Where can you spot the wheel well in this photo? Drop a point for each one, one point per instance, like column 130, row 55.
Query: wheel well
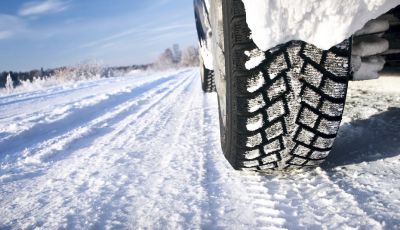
column 393, row 36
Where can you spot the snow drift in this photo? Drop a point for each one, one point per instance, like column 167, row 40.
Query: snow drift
column 323, row 23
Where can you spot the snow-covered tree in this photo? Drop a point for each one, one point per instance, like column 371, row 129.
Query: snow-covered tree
column 172, row 58
column 9, row 84
column 190, row 57
column 88, row 69
column 177, row 53
column 165, row 60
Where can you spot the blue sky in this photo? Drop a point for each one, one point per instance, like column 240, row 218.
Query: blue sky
column 51, row 33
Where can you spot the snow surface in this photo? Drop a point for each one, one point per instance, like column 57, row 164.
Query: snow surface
column 144, row 152
column 324, row 23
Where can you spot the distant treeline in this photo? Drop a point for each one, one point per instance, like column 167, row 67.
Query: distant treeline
column 18, row 77
column 171, row 58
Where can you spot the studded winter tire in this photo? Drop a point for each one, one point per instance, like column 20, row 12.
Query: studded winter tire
column 285, row 111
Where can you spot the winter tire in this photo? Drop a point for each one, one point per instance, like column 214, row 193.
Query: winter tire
column 285, row 111
column 207, row 78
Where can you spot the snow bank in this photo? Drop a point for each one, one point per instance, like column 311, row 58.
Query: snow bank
column 59, row 80
column 323, row 23
column 38, row 84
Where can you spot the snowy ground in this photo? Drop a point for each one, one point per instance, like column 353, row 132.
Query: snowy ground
column 143, row 152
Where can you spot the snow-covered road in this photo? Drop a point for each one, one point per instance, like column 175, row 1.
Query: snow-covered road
column 143, row 152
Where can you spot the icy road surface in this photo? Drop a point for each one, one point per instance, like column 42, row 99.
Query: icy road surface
column 143, row 152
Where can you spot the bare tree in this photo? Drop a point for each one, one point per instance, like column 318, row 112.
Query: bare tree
column 190, row 57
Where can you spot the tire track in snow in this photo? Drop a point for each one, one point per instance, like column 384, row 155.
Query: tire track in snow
column 148, row 167
column 58, row 108
column 264, row 203
column 312, row 199
column 232, row 199
column 77, row 118
column 169, row 169
column 53, row 96
column 126, row 143
column 81, row 173
column 137, row 124
column 226, row 201
column 89, row 113
column 123, row 145
column 44, row 154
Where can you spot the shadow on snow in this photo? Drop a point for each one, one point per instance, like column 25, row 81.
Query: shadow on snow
column 372, row 139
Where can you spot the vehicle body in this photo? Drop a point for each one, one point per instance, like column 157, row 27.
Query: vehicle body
column 280, row 70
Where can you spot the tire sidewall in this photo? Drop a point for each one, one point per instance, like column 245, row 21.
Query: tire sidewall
column 227, row 131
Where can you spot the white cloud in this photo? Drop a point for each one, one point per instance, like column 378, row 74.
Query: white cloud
column 139, row 32
column 5, row 34
column 10, row 25
column 42, row 7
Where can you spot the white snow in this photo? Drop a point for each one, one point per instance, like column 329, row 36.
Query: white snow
column 323, row 23
column 374, row 26
column 143, row 152
column 255, row 82
column 369, row 46
column 206, row 55
column 256, row 56
column 255, row 123
column 369, row 68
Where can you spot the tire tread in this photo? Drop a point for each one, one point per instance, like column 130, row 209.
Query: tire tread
column 290, row 72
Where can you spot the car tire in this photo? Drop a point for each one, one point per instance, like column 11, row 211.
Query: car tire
column 285, row 111
column 207, row 78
